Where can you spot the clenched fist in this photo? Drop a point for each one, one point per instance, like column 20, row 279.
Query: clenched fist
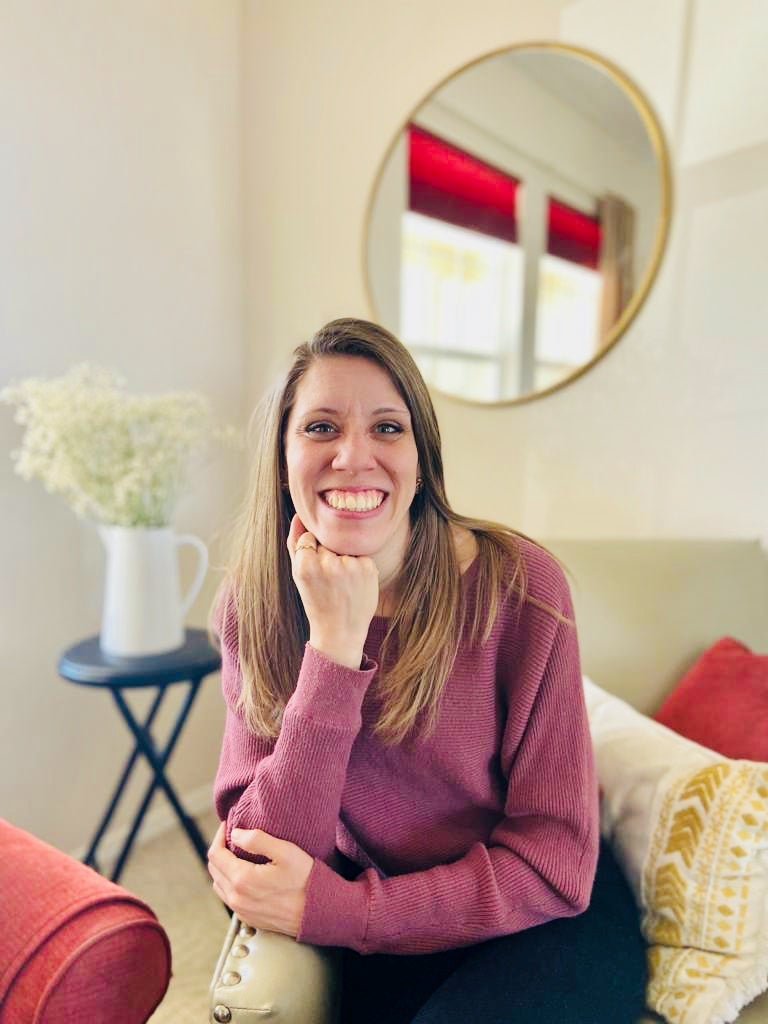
column 339, row 593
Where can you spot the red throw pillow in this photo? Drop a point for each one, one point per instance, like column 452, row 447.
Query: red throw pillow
column 722, row 702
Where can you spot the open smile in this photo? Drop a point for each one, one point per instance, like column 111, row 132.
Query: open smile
column 354, row 502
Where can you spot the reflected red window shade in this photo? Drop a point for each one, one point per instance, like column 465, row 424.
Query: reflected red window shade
column 450, row 184
column 573, row 235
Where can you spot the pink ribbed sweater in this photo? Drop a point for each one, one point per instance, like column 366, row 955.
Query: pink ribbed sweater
column 486, row 827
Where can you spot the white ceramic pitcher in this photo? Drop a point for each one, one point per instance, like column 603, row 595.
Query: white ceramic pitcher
column 143, row 610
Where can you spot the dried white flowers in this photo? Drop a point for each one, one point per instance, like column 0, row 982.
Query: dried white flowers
column 119, row 458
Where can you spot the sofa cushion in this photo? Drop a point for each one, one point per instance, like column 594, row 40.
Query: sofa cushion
column 73, row 946
column 722, row 702
column 690, row 829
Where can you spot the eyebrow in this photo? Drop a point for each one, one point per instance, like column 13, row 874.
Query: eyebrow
column 376, row 412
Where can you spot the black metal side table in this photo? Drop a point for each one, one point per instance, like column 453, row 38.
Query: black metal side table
column 85, row 663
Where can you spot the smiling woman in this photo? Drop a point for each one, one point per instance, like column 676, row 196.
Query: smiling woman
column 406, row 759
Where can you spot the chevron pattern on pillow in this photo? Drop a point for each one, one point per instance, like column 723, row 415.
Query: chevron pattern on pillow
column 702, row 883
column 690, row 830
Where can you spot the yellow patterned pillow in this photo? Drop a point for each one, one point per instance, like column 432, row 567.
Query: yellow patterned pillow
column 690, row 829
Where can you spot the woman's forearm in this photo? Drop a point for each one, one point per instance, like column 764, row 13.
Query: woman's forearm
column 291, row 787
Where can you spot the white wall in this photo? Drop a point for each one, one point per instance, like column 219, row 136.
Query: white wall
column 661, row 437
column 677, row 444
column 121, row 242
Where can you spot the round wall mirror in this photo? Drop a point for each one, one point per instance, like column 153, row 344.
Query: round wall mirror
column 517, row 222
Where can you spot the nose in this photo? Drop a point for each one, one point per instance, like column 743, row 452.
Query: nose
column 354, row 453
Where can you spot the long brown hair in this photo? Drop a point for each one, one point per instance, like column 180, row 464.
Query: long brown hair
column 272, row 627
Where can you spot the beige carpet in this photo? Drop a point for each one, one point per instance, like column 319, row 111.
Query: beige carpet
column 167, row 874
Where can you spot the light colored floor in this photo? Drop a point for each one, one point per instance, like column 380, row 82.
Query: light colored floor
column 167, row 874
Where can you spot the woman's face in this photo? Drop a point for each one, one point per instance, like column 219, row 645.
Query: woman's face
column 352, row 460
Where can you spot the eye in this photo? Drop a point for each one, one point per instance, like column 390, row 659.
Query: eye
column 389, row 428
column 322, row 427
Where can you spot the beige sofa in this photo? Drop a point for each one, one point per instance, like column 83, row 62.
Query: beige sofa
column 645, row 609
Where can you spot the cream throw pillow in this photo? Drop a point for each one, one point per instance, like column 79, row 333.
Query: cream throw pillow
column 690, row 829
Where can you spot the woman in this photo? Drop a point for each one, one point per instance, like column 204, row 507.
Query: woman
column 406, row 754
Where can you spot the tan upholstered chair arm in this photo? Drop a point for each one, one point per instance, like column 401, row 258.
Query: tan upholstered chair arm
column 266, row 976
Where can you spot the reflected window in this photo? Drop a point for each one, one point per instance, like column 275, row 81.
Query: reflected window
column 460, row 307
column 536, row 179
column 461, row 268
column 475, row 325
column 569, row 294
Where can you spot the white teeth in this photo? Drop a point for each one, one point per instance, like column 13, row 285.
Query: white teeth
column 354, row 501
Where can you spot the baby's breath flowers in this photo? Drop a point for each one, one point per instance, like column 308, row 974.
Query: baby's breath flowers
column 119, row 458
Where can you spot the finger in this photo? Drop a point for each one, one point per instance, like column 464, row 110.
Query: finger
column 307, row 541
column 220, row 893
column 223, row 880
column 254, row 840
column 218, row 840
column 296, row 530
column 234, row 884
column 218, row 867
column 222, row 861
column 216, row 876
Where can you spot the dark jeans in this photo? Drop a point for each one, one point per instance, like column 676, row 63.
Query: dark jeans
column 588, row 969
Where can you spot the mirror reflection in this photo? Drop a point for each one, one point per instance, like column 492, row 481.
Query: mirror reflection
column 517, row 222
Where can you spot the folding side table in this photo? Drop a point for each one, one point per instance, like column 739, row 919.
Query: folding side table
column 84, row 663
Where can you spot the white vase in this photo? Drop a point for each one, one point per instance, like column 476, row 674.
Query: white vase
column 143, row 610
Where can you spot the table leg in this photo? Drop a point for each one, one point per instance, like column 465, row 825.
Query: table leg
column 90, row 857
column 157, row 761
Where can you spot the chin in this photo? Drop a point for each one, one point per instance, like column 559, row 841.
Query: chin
column 342, row 547
column 343, row 543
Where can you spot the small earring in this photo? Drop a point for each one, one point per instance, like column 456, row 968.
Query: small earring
column 418, row 484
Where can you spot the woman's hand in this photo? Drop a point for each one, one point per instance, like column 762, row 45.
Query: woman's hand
column 339, row 593
column 269, row 896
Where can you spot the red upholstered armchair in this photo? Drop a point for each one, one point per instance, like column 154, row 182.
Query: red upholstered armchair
column 73, row 945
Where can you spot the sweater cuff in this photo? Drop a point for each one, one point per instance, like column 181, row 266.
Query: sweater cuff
column 327, row 691
column 335, row 910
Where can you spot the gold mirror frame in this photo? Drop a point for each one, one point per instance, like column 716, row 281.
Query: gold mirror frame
column 659, row 147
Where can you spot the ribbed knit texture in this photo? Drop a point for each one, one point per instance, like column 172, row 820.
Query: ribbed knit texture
column 486, row 827
column 73, row 946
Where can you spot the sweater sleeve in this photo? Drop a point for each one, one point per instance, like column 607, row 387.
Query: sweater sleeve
column 538, row 863
column 290, row 787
